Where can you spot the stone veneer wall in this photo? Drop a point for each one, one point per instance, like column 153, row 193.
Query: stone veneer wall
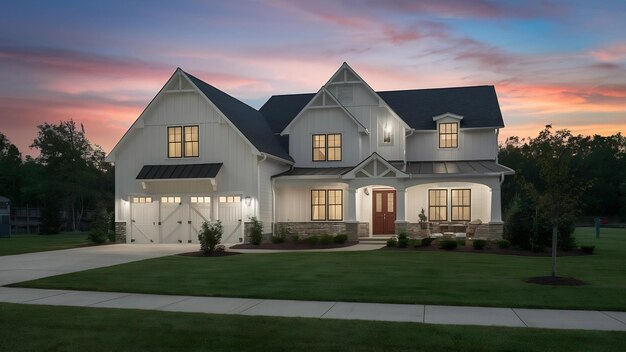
column 120, row 231
column 305, row 229
column 488, row 231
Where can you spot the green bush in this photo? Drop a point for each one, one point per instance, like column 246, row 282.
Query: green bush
column 326, row 239
column 392, row 242
column 503, row 244
column 256, row 232
column 448, row 244
column 461, row 242
column 340, row 238
column 426, row 241
column 587, row 249
column 479, row 244
column 295, row 238
column 210, row 236
column 403, row 240
column 312, row 240
column 278, row 238
column 97, row 236
column 100, row 226
column 414, row 242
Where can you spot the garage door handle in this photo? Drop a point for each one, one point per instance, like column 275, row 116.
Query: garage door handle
column 132, row 221
column 239, row 220
column 189, row 222
column 159, row 223
column 180, row 222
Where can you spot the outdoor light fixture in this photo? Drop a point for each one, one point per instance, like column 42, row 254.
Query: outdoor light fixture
column 387, row 133
column 366, row 191
column 248, row 200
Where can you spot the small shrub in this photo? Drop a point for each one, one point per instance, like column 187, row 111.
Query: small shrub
column 278, row 238
column 392, row 242
column 210, row 236
column 100, row 226
column 414, row 242
column 97, row 236
column 312, row 240
column 503, row 244
column 340, row 238
column 295, row 238
column 426, row 241
column 479, row 244
column 448, row 244
column 403, row 240
column 256, row 232
column 422, row 216
column 587, row 249
column 326, row 239
column 461, row 242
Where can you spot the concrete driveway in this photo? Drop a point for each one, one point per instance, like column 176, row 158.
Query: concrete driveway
column 30, row 266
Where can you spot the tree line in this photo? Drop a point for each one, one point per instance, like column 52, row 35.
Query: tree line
column 68, row 176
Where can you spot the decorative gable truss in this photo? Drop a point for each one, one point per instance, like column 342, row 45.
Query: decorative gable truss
column 375, row 166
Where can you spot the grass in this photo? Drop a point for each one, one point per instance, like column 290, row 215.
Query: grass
column 47, row 328
column 28, row 243
column 377, row 276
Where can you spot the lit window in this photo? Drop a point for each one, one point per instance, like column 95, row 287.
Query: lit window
column 327, row 147
column 172, row 200
column 326, row 205
column 460, row 205
column 142, row 199
column 200, row 200
column 438, row 204
column 449, row 135
column 182, row 141
column 230, row 199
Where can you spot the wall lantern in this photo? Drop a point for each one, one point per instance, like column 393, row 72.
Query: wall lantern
column 248, row 200
column 387, row 133
column 366, row 191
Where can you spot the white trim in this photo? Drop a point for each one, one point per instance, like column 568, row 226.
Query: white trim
column 448, row 114
column 375, row 156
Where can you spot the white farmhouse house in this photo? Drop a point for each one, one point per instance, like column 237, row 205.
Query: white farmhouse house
column 346, row 159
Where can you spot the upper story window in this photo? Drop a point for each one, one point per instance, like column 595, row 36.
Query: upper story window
column 449, row 135
column 327, row 147
column 182, row 141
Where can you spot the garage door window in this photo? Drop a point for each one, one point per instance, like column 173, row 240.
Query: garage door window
column 200, row 199
column 230, row 199
column 142, row 199
column 170, row 199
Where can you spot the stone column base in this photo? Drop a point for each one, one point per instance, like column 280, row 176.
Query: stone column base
column 354, row 230
column 490, row 231
column 402, row 227
column 120, row 231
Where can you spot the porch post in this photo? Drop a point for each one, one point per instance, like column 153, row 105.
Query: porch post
column 401, row 204
column 496, row 207
column 351, row 213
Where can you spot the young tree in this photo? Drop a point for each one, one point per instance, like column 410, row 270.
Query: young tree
column 10, row 165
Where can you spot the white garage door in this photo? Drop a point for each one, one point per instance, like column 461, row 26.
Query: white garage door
column 229, row 212
column 199, row 212
column 144, row 220
column 171, row 223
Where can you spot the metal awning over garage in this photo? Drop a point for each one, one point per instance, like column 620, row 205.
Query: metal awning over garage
column 184, row 171
column 456, row 168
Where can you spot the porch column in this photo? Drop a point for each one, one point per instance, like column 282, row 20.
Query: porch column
column 496, row 207
column 401, row 204
column 351, row 211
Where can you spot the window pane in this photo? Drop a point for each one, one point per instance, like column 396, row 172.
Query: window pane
column 390, row 207
column 379, row 202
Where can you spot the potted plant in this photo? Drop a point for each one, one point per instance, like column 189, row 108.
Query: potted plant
column 423, row 220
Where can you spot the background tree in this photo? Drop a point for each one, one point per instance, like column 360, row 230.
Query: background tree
column 10, row 167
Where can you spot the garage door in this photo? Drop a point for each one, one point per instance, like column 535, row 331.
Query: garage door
column 229, row 212
column 199, row 212
column 144, row 220
column 171, row 223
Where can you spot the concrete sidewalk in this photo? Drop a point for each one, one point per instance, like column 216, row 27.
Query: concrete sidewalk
column 517, row 317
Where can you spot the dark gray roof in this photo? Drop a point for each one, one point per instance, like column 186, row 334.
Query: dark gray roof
column 478, row 105
column 315, row 171
column 161, row 172
column 248, row 120
column 455, row 167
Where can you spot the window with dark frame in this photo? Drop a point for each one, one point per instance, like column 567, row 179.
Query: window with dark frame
column 326, row 147
column 318, row 205
column 183, row 141
column 460, row 204
column 449, row 135
column 438, row 204
column 335, row 204
column 326, row 205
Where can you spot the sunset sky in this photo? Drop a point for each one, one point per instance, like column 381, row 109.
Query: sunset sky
column 101, row 62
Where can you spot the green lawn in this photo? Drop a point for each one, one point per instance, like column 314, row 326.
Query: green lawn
column 47, row 328
column 376, row 276
column 28, row 243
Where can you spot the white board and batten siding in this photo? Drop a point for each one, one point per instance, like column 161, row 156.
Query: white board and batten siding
column 474, row 144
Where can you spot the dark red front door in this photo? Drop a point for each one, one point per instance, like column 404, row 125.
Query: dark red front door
column 384, row 212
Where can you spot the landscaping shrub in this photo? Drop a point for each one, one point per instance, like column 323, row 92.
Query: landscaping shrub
column 210, row 236
column 414, row 242
column 392, row 242
column 403, row 240
column 295, row 238
column 426, row 241
column 326, row 239
column 503, row 244
column 460, row 242
column 479, row 244
column 312, row 240
column 100, row 226
column 256, row 232
column 587, row 249
column 340, row 238
column 280, row 236
column 448, row 244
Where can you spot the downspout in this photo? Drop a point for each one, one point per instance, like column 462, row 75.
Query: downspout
column 497, row 148
column 406, row 137
column 258, row 184
column 273, row 206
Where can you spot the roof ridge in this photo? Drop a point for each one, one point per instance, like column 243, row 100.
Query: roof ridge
column 435, row 88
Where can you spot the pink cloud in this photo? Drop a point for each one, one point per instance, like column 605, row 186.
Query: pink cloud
column 611, row 53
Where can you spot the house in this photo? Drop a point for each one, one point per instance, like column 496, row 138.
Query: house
column 344, row 159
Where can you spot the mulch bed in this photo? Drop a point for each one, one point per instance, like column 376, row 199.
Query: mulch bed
column 555, row 281
column 213, row 255
column 490, row 250
column 292, row 245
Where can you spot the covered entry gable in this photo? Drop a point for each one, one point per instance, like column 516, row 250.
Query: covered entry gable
column 375, row 166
